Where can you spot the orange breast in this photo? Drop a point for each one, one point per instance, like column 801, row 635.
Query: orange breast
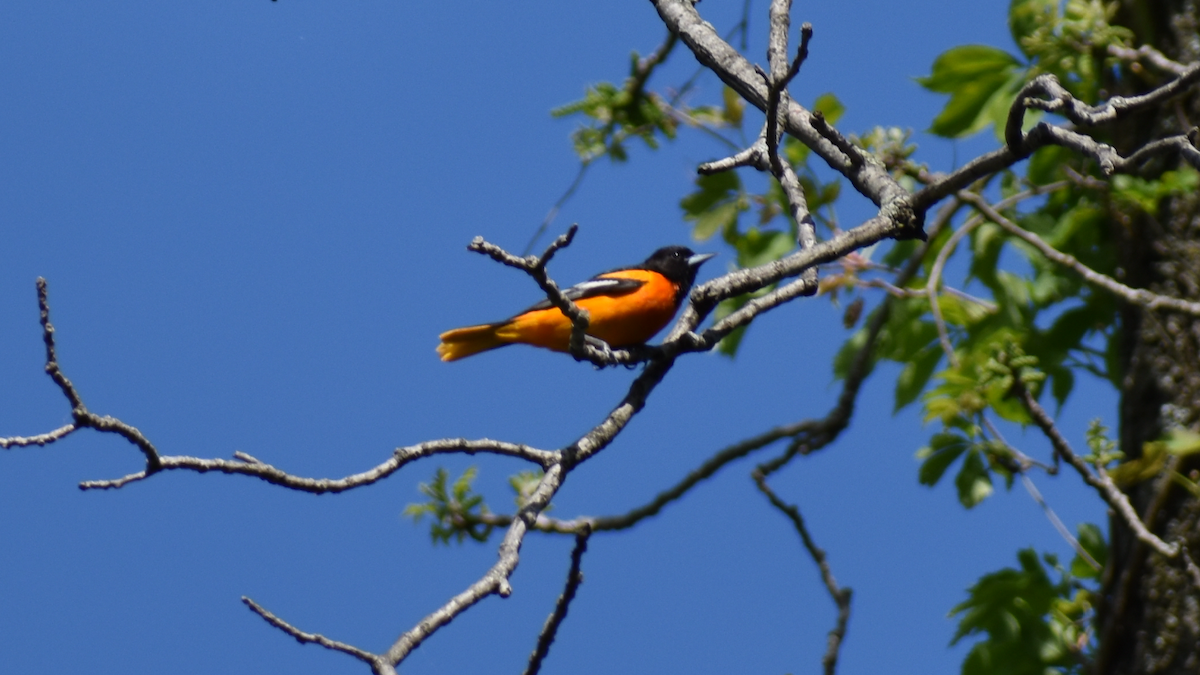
column 621, row 321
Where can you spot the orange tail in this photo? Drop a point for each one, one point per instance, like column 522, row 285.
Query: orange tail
column 463, row 342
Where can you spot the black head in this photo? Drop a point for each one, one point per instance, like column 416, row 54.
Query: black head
column 677, row 263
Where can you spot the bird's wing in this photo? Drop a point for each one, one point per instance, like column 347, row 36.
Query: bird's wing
column 610, row 286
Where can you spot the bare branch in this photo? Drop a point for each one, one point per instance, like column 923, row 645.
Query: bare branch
column 1098, row 479
column 1193, row 571
column 939, row 264
column 1149, row 54
column 249, row 466
column 52, row 369
column 550, row 630
column 763, row 154
column 935, row 278
column 897, row 217
column 1057, row 523
column 581, row 346
column 40, row 439
column 1058, row 100
column 1019, row 145
column 495, row 580
column 554, row 210
column 1136, row 296
column 646, row 65
column 306, row 638
column 83, row 417
column 841, row 596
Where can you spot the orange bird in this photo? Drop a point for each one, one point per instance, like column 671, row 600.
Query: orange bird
column 626, row 307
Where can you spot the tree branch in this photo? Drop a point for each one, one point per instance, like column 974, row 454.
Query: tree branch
column 314, row 638
column 249, row 466
column 841, row 596
column 1136, row 296
column 898, row 217
column 40, row 439
column 550, row 630
column 1058, row 100
column 1099, row 479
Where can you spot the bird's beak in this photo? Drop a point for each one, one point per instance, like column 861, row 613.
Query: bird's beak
column 698, row 259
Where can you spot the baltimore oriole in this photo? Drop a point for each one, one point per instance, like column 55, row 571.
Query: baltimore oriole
column 626, row 307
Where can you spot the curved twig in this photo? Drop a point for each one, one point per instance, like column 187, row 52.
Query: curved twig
column 550, row 629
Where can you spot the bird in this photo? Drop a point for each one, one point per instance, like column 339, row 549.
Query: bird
column 626, row 307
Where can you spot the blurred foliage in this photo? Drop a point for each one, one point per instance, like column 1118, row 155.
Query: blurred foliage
column 457, row 512
column 454, row 508
column 1031, row 623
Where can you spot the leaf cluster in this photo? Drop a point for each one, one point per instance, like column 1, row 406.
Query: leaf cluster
column 454, row 508
column 614, row 114
column 1068, row 41
column 457, row 512
column 1031, row 623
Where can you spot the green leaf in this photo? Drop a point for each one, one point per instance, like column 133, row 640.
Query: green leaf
column 1182, row 442
column 733, row 107
column 718, row 218
column 1016, row 609
column 849, row 351
column 758, row 247
column 1092, row 540
column 1149, row 465
column 1062, row 381
column 915, row 375
column 973, row 75
column 714, row 205
column 729, row 344
column 796, row 152
column 455, row 510
column 965, row 65
column 973, row 481
column 1146, row 194
column 828, row 105
column 962, row 312
column 1103, row 450
column 906, row 332
column 941, row 452
column 1026, row 16
column 1045, row 166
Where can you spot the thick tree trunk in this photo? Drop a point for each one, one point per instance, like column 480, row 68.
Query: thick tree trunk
column 1149, row 620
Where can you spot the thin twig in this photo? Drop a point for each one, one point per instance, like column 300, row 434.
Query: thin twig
column 558, row 205
column 1151, row 55
column 304, row 638
column 248, row 466
column 1057, row 523
column 1058, row 100
column 83, row 417
column 536, row 268
column 935, row 278
column 1190, row 566
column 841, row 596
column 550, row 629
column 40, row 439
column 1098, row 479
column 1136, row 296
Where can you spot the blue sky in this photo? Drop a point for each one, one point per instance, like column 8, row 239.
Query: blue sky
column 253, row 219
